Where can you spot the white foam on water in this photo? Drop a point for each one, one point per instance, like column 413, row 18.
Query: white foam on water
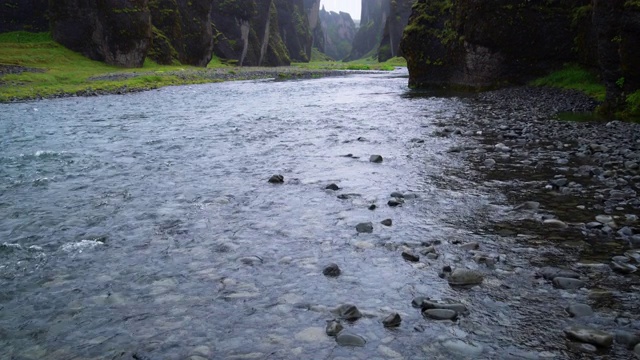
column 80, row 246
column 12, row 246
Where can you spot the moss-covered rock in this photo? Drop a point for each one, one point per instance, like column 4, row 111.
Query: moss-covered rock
column 117, row 32
column 293, row 27
column 399, row 12
column 339, row 31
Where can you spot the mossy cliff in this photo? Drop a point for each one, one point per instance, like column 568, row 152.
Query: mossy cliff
column 484, row 44
column 372, row 21
column 339, row 31
column 117, row 32
column 24, row 15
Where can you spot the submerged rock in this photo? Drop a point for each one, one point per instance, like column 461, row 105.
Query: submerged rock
column 331, row 270
column 568, row 283
column 333, row 327
column 465, row 277
column 392, row 320
column 375, row 158
column 347, row 338
column 589, row 335
column 464, row 349
column 386, row 222
column 276, row 179
column 410, row 256
column 440, row 314
column 579, row 310
column 348, row 312
column 333, row 187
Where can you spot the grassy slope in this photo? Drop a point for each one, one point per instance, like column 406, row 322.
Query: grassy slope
column 62, row 71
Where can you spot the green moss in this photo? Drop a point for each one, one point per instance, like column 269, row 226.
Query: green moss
column 576, row 78
column 632, row 4
column 633, row 103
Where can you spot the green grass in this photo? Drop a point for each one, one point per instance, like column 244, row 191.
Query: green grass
column 575, row 78
column 633, row 105
column 361, row 64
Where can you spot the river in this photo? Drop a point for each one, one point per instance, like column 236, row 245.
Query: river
column 143, row 226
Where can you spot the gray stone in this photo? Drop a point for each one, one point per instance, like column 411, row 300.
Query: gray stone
column 432, row 256
column 636, row 350
column 428, row 250
column 410, row 256
column 397, row 194
column 463, row 349
column 470, row 246
column 276, row 179
column 375, row 158
column 348, row 312
column 489, row 163
column 594, row 225
column 332, row 187
column 347, row 338
column 579, row 310
column 555, row 223
column 584, row 348
column 622, row 268
column 333, row 327
column 440, row 314
column 458, row 308
column 331, row 270
column 549, row 273
column 528, row 205
column 418, row 301
column 605, row 219
column 372, row 207
column 633, row 255
column 392, row 320
column 364, row 227
column 568, row 283
column 386, row 222
column 250, row 260
column 465, row 277
column 627, row 339
column 589, row 335
column 395, row 202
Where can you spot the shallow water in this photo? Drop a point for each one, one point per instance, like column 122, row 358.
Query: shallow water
column 143, row 226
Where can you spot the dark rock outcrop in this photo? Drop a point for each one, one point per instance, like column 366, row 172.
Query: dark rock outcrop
column 399, row 12
column 293, row 25
column 481, row 44
column 117, row 32
column 339, row 31
column 372, row 21
column 24, row 15
column 312, row 7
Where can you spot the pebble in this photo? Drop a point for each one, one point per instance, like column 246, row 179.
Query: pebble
column 333, row 327
column 347, row 338
column 555, row 223
column 395, row 202
column 331, row 270
column 392, row 320
column 463, row 349
column 365, row 227
column 375, row 159
column 397, row 194
column 386, row 222
column 465, row 277
column 348, row 312
column 276, row 179
column 489, row 163
column 568, row 283
column 589, row 335
column 622, row 268
column 440, row 314
column 410, row 256
column 579, row 310
column 333, row 187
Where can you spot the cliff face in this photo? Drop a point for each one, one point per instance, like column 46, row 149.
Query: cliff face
column 117, row 32
column 339, row 31
column 475, row 44
column 25, row 15
column 312, row 7
column 372, row 21
column 399, row 12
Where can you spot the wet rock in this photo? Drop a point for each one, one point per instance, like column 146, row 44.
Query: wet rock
column 555, row 223
column 392, row 320
column 333, row 327
column 331, row 270
column 440, row 314
column 348, row 312
column 528, row 205
column 465, row 350
column 251, row 260
column 426, row 304
column 432, row 256
column 386, row 222
column 584, row 348
column 417, row 301
column 465, row 277
column 623, row 268
column 333, row 187
column 633, row 255
column 579, row 310
column 375, row 159
column 395, row 202
column 604, row 219
column 500, row 147
column 398, row 195
column 549, row 273
column 589, row 335
column 489, row 163
column 470, row 246
column 347, row 338
column 594, row 225
column 410, row 256
column 636, row 350
column 627, row 339
column 568, row 283
column 372, row 207
column 428, row 250
column 364, row 227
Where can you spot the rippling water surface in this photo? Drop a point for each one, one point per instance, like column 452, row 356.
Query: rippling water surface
column 143, row 226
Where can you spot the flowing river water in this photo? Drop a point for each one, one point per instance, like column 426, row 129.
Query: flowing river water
column 143, row 226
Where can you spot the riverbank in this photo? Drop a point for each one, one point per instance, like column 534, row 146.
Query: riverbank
column 33, row 66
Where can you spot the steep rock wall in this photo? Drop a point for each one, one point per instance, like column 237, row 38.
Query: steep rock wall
column 339, row 32
column 294, row 30
column 24, row 15
column 399, row 12
column 372, row 21
column 117, row 32
column 312, row 7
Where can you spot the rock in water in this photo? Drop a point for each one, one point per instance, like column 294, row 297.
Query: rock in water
column 333, row 187
column 392, row 320
column 348, row 312
column 333, row 327
column 549, row 273
column 364, row 227
column 386, row 222
column 409, row 256
column 568, row 283
column 347, row 338
column 579, row 310
column 395, row 202
column 636, row 351
column 589, row 335
column 465, row 277
column 440, row 314
column 276, row 179
column 331, row 270
column 375, row 158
